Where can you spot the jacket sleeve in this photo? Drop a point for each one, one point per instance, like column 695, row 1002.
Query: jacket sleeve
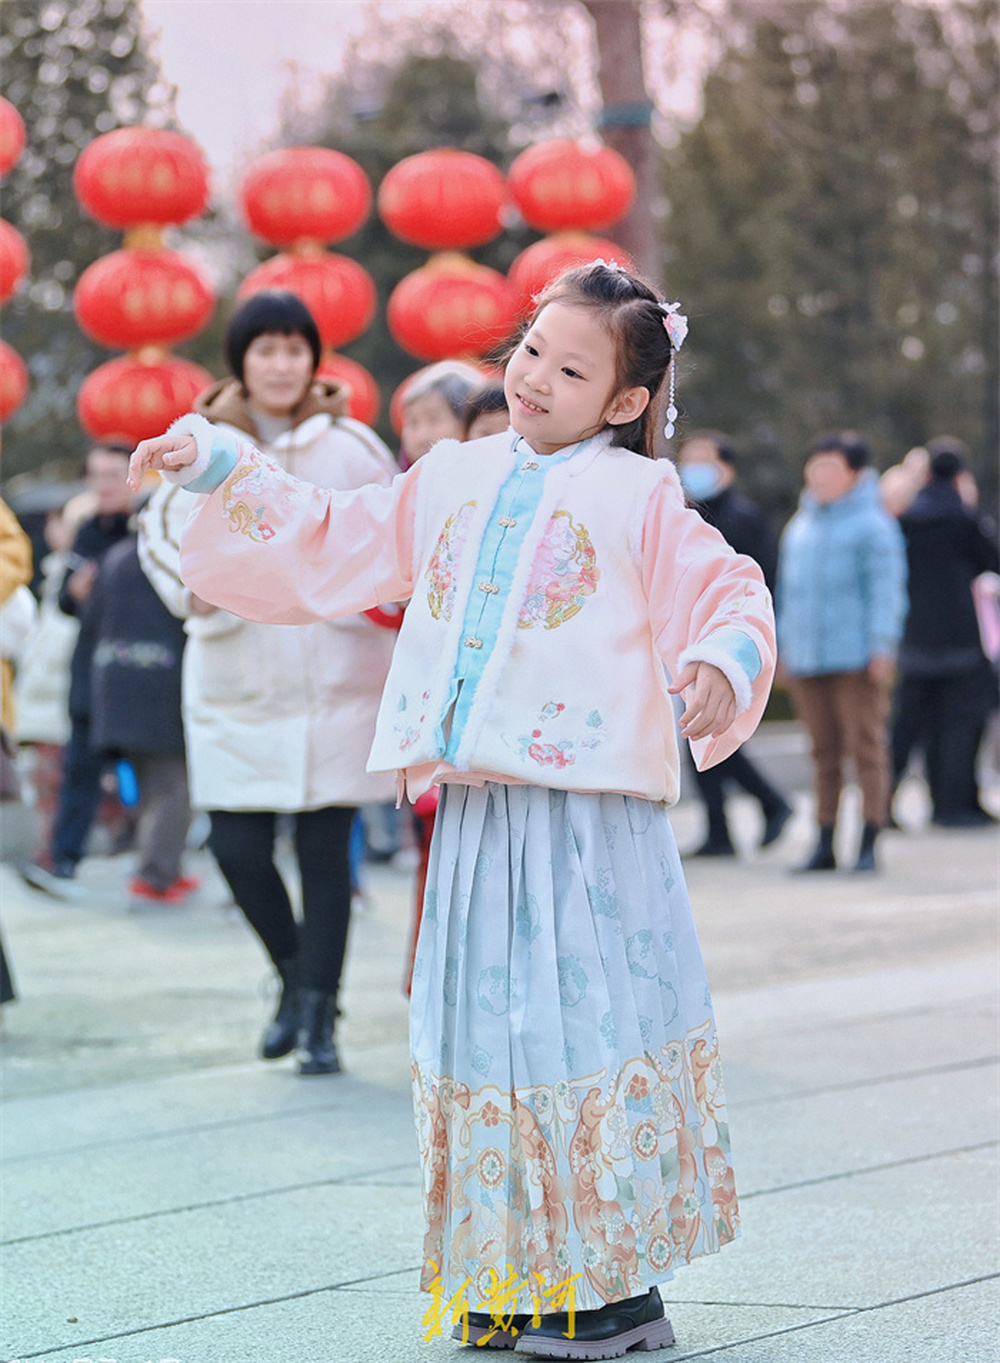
column 272, row 548
column 883, row 583
column 160, row 523
column 15, row 554
column 708, row 604
column 83, row 549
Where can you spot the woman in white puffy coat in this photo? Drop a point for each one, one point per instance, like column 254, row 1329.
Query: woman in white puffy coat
column 279, row 719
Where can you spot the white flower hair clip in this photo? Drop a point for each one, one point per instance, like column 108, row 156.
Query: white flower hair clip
column 675, row 324
column 614, row 265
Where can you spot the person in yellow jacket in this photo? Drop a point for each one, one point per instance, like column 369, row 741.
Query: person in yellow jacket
column 15, row 571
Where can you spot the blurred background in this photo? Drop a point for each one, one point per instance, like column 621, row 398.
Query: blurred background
column 816, row 181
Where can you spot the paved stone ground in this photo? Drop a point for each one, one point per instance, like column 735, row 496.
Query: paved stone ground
column 167, row 1197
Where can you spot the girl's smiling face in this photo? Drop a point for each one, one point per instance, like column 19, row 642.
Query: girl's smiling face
column 560, row 381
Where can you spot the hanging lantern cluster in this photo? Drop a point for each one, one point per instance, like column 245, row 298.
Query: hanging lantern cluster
column 143, row 298
column 447, row 201
column 14, row 263
column 571, row 190
column 302, row 199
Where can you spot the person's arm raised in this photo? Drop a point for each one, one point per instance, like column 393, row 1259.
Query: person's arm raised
column 266, row 546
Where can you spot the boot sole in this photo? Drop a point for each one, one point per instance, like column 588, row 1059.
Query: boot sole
column 656, row 1334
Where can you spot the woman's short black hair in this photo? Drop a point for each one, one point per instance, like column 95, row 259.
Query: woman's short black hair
column 270, row 311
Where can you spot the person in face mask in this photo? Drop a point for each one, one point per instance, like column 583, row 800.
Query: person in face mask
column 707, row 466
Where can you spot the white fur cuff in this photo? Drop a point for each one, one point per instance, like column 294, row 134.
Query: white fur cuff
column 192, row 424
column 727, row 664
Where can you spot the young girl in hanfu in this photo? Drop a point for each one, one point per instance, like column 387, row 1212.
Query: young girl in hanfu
column 566, row 1071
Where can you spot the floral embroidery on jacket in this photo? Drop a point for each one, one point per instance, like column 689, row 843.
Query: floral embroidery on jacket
column 441, row 567
column 250, row 478
column 558, row 753
column 546, row 754
column 563, row 574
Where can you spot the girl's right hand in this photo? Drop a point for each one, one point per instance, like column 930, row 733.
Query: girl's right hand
column 164, row 452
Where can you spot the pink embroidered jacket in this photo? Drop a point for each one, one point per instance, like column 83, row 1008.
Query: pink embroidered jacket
column 574, row 696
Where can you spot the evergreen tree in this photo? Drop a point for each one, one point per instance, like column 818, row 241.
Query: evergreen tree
column 832, row 228
column 383, row 108
column 73, row 69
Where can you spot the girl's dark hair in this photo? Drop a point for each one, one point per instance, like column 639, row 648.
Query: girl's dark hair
column 629, row 309
column 489, row 398
column 270, row 311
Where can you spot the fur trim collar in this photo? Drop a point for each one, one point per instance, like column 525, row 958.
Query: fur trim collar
column 226, row 401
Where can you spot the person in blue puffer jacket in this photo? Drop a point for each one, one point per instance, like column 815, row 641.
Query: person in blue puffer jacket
column 841, row 602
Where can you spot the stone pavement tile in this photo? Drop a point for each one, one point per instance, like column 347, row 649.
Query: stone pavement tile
column 802, row 1037
column 108, row 995
column 384, row 1325
column 149, row 1271
column 958, row 1324
column 82, row 1119
column 791, row 1140
column 218, row 1163
column 861, row 1240
column 812, row 1059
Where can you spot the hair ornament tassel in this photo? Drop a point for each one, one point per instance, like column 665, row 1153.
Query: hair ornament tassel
column 675, row 324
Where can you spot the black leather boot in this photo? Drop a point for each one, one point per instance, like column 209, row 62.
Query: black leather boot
column 317, row 1014
column 866, row 856
column 283, row 1029
column 823, row 858
column 638, row 1323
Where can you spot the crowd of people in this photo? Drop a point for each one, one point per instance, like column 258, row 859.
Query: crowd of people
column 138, row 701
column 284, row 609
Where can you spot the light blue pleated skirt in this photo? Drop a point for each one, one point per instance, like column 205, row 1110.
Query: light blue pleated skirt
column 567, row 1084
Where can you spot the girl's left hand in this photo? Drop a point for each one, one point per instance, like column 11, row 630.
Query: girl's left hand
column 710, row 705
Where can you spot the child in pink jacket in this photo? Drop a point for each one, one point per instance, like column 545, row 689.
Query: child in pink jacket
column 567, row 1084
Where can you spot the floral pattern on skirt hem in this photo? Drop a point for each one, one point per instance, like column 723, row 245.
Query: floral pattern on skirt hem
column 567, row 1083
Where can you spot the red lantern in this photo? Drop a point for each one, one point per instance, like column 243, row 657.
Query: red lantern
column 14, row 259
column 443, row 199
column 12, row 135
column 338, row 292
column 562, row 184
column 129, row 399
column 133, row 298
column 305, row 193
column 13, row 381
column 141, row 175
column 544, row 260
column 451, row 306
column 363, row 398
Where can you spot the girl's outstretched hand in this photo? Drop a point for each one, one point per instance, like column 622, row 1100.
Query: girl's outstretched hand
column 710, row 704
column 165, row 452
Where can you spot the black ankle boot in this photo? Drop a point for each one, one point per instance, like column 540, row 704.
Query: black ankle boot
column 609, row 1332
column 283, row 1029
column 318, row 1012
column 823, row 858
column 866, row 856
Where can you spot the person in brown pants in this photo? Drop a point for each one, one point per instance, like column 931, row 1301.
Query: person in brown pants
column 841, row 601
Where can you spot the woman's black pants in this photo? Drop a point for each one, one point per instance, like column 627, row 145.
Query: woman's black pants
column 243, row 845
